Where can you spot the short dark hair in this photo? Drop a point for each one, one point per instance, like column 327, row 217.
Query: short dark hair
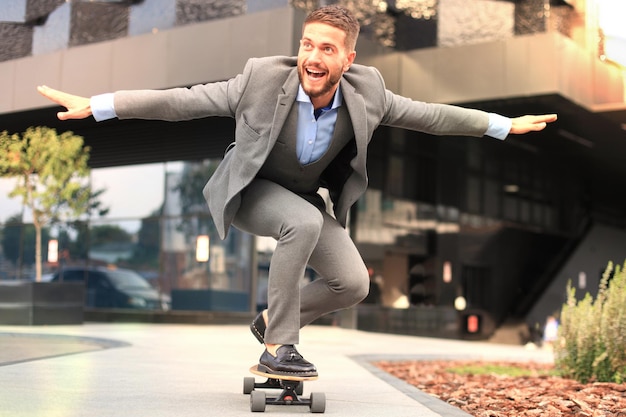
column 340, row 18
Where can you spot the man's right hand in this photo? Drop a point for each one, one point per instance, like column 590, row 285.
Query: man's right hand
column 77, row 107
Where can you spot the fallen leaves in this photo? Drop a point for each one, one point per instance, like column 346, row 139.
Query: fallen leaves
column 493, row 395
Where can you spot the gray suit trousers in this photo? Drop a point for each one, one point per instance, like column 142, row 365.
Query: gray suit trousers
column 305, row 235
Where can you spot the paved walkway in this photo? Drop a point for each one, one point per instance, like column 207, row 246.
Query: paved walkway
column 124, row 370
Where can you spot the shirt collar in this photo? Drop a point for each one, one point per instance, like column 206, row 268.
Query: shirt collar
column 302, row 97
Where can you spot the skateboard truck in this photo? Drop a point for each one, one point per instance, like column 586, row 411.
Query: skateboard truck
column 291, row 394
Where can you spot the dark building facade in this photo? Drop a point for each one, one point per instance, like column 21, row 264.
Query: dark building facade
column 497, row 226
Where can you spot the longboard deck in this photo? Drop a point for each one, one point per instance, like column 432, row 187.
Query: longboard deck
column 255, row 371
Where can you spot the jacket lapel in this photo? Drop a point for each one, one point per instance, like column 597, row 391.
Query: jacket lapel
column 283, row 105
column 358, row 115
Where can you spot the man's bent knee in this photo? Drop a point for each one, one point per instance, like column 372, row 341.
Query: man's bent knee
column 308, row 226
column 357, row 289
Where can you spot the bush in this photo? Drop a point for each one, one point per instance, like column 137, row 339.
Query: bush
column 592, row 335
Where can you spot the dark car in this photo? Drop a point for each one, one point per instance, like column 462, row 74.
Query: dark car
column 115, row 288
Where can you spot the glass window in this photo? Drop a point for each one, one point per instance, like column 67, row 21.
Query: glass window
column 473, row 195
column 510, row 207
column 96, row 280
column 126, row 279
column 155, row 214
column 131, row 192
column 491, row 198
column 492, row 166
column 9, row 207
column 537, row 214
column 150, row 16
column 524, row 209
column 395, row 183
column 511, row 173
column 55, row 34
column 476, row 285
column 13, row 11
column 72, row 276
column 474, row 155
column 261, row 5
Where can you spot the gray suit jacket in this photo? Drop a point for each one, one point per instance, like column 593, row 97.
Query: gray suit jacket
column 260, row 99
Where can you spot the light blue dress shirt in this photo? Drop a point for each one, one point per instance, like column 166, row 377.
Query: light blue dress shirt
column 315, row 133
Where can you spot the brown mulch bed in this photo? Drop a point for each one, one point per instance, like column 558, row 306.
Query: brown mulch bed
column 505, row 396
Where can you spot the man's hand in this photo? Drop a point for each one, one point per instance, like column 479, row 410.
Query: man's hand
column 77, row 107
column 525, row 124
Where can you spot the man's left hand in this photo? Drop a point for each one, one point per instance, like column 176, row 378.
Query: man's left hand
column 525, row 124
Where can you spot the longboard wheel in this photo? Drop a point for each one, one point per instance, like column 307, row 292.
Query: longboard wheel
column 318, row 402
column 257, row 401
column 248, row 384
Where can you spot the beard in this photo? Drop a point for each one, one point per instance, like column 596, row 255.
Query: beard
column 328, row 86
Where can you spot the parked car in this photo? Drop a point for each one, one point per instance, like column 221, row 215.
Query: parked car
column 114, row 288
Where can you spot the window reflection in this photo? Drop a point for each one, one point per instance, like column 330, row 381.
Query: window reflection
column 156, row 213
column 55, row 34
column 9, row 207
column 131, row 192
column 152, row 16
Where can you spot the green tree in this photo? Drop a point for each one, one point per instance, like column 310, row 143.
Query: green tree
column 79, row 247
column 148, row 242
column 195, row 218
column 52, row 174
column 107, row 234
column 14, row 235
column 18, row 242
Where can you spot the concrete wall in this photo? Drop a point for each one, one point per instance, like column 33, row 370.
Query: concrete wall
column 527, row 65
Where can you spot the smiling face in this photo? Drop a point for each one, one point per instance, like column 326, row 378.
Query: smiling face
column 322, row 59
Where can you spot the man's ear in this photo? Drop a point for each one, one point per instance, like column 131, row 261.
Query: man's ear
column 349, row 61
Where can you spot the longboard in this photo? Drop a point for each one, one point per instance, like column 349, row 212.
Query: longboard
column 292, row 389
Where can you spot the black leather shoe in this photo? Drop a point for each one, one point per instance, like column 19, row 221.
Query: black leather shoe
column 257, row 327
column 287, row 362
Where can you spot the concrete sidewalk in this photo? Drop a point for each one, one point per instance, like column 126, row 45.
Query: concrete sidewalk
column 123, row 370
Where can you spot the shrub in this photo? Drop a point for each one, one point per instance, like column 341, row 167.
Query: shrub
column 592, row 335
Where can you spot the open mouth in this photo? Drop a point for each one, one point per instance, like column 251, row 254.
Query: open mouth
column 315, row 74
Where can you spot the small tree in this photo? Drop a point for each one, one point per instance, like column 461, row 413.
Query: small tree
column 52, row 174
